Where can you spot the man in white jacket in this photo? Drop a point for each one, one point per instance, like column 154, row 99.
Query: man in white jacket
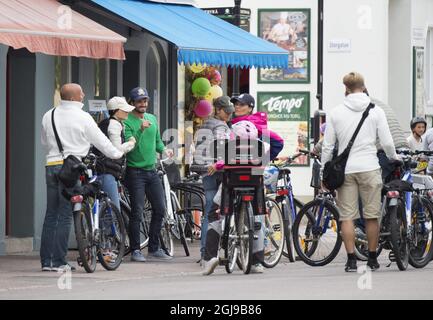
column 77, row 131
column 362, row 176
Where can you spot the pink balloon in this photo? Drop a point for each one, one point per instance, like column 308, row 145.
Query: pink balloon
column 215, row 77
column 203, row 109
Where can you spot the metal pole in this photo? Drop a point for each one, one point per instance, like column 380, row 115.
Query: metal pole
column 320, row 56
column 236, row 71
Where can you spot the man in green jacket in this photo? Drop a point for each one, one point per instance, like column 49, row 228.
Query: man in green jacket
column 142, row 178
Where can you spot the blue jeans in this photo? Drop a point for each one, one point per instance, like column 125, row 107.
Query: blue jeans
column 141, row 183
column 109, row 186
column 57, row 224
column 210, row 185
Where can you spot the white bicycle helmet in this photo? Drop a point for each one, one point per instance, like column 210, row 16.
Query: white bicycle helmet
column 245, row 130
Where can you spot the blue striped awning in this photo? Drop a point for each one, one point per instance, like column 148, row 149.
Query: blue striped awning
column 199, row 36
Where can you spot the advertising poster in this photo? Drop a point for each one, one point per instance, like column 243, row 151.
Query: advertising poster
column 290, row 30
column 288, row 116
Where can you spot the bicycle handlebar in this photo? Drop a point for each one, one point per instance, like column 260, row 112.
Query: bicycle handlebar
column 414, row 153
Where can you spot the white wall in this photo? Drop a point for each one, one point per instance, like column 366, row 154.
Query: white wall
column 365, row 24
column 400, row 60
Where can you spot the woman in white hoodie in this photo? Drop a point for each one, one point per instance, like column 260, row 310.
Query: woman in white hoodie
column 362, row 176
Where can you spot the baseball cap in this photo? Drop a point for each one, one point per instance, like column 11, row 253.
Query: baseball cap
column 119, row 103
column 138, row 94
column 245, row 98
column 224, row 103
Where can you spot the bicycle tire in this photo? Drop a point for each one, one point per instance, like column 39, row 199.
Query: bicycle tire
column 274, row 233
column 231, row 249
column 144, row 227
column 119, row 236
column 305, row 256
column 83, row 233
column 246, row 235
column 361, row 250
column 166, row 239
column 291, row 255
column 398, row 227
column 183, row 239
column 415, row 261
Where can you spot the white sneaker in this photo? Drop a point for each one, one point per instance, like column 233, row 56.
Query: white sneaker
column 257, row 268
column 209, row 266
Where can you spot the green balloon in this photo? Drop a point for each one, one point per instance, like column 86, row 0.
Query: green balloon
column 200, row 87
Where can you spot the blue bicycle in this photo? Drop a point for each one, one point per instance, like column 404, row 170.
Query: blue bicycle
column 410, row 217
column 282, row 208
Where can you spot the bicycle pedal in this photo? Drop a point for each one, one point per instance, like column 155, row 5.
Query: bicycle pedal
column 79, row 262
column 391, row 257
column 256, row 237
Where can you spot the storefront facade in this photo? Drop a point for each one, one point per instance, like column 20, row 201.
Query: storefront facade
column 151, row 61
column 30, row 70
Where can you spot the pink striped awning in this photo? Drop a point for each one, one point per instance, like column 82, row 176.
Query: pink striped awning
column 49, row 27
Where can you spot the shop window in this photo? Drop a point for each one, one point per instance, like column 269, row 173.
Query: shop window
column 102, row 81
column 62, row 76
column 66, row 71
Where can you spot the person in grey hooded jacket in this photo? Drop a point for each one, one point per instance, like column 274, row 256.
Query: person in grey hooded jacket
column 215, row 127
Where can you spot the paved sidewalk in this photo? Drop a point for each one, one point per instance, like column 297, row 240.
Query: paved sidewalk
column 180, row 278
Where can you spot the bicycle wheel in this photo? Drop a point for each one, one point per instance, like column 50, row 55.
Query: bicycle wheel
column 398, row 227
column 245, row 235
column 126, row 212
column 113, row 234
column 421, row 251
column 289, row 234
column 361, row 245
column 144, row 227
column 317, row 241
column 166, row 239
column 274, row 233
column 84, row 235
column 179, row 228
column 231, row 249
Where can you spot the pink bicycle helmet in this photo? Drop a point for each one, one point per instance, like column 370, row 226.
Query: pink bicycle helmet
column 245, row 130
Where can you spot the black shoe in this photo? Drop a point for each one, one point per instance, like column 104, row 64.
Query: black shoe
column 351, row 266
column 373, row 264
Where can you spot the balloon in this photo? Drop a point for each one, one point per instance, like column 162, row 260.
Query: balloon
column 209, row 97
column 215, row 92
column 214, row 77
column 197, row 68
column 203, row 109
column 200, row 87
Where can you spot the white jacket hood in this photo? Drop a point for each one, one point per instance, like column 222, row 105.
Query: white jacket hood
column 357, row 102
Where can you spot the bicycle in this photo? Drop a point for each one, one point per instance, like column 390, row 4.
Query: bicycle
column 99, row 227
column 411, row 231
column 242, row 199
column 125, row 208
column 282, row 207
